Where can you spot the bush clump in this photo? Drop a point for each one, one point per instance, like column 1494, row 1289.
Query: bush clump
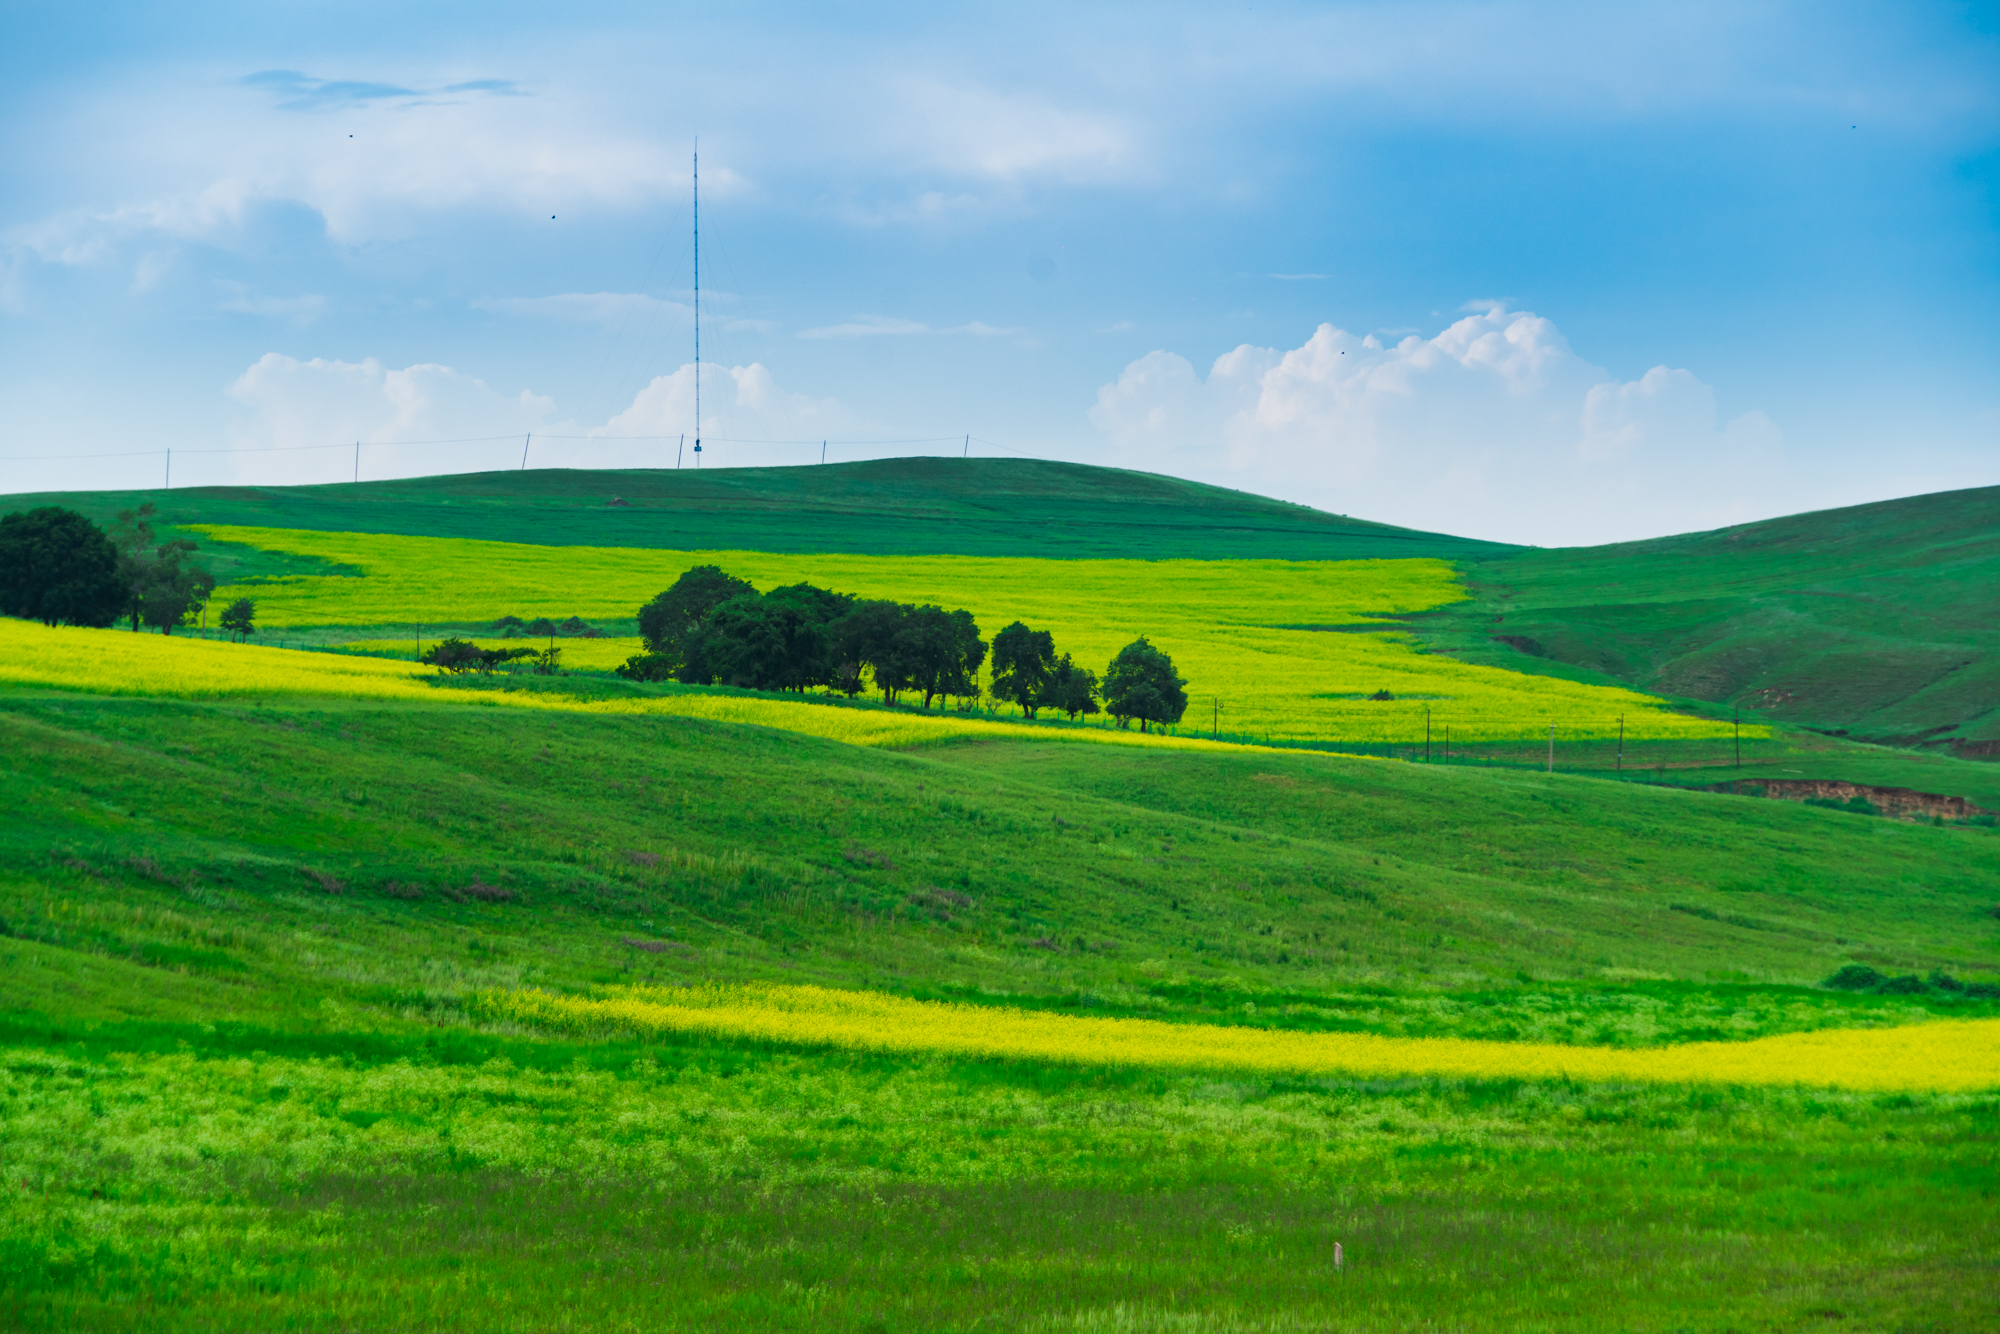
column 1863, row 980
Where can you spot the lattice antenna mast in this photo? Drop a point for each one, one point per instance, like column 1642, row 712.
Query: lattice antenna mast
column 697, row 303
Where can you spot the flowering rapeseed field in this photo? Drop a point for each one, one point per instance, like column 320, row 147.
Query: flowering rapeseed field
column 1944, row 1056
column 589, row 655
column 1260, row 636
column 114, row 662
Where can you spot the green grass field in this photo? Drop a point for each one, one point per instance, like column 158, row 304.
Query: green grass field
column 253, row 1076
column 1881, row 621
column 913, row 506
column 244, row 1089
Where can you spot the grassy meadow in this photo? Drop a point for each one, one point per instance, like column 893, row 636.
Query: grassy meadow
column 1877, row 621
column 343, row 996
column 1291, row 650
column 907, row 506
column 255, row 1079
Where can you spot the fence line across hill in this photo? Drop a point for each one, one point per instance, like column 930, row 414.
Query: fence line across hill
column 823, row 444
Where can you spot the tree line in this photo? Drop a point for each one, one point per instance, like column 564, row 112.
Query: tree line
column 59, row 568
column 712, row 628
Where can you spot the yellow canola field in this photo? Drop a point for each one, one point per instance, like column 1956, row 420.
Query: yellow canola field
column 117, row 662
column 1944, row 1056
column 1240, row 631
column 589, row 655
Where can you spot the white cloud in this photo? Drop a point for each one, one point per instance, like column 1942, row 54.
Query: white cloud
column 976, row 131
column 375, row 160
column 745, row 415
column 240, row 300
column 617, row 309
column 868, row 326
column 587, row 307
column 876, row 326
column 297, row 420
column 1493, row 428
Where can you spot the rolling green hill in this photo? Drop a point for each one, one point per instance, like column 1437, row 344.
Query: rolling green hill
column 246, row 1084
column 974, row 507
column 250, row 1078
column 1880, row 622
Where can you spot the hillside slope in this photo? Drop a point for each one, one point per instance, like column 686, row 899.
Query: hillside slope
column 1878, row 621
column 908, row 506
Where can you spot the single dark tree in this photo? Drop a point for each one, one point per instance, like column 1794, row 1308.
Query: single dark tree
column 1072, row 689
column 671, row 622
column 132, row 534
column 944, row 651
column 175, row 586
column 1142, row 683
column 1023, row 662
column 454, row 655
column 239, row 618
column 542, row 628
column 643, row 666
column 57, row 567
column 166, row 585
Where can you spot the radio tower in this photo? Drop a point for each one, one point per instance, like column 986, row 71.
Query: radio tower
column 697, row 303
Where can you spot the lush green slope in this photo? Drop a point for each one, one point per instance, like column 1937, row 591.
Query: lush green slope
column 1001, row 507
column 1880, row 621
column 243, row 1087
column 763, row 853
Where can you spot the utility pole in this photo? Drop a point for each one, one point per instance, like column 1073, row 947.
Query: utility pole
column 1739, row 736
column 170, row 472
column 680, row 449
column 1621, row 743
column 524, row 451
column 1552, row 747
column 968, row 448
column 357, row 461
column 822, row 452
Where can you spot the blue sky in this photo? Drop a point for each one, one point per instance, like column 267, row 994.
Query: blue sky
column 1544, row 272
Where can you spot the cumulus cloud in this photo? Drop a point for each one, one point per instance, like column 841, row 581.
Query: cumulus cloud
column 1493, row 428
column 746, row 418
column 373, row 159
column 297, row 420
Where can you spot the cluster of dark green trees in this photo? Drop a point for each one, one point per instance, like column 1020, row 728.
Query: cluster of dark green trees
column 59, row 568
column 712, row 628
column 456, row 655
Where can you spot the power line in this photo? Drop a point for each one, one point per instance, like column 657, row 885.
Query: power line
column 270, row 449
column 824, row 444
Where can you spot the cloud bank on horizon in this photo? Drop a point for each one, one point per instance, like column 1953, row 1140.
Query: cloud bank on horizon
column 1485, row 429
column 1750, row 253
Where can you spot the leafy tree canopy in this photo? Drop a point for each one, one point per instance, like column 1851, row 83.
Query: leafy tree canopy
column 239, row 617
column 1071, row 689
column 944, row 652
column 1142, row 683
column 783, row 640
column 165, row 585
column 1024, row 661
column 671, row 622
column 57, row 567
